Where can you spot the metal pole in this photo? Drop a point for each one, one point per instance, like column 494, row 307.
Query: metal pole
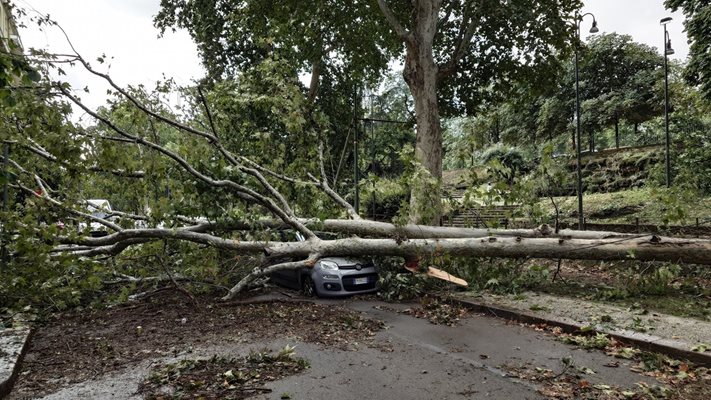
column 581, row 224
column 5, row 201
column 356, row 172
column 5, row 156
column 666, row 111
column 372, row 153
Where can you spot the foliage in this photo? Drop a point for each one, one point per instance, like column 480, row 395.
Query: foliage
column 234, row 35
column 697, row 26
column 382, row 199
column 263, row 106
column 498, row 276
column 398, row 285
column 506, row 163
column 620, row 81
column 690, row 123
column 457, row 61
column 355, row 40
column 654, row 280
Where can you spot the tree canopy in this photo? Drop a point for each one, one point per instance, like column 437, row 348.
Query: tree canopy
column 698, row 29
column 455, row 53
column 620, row 81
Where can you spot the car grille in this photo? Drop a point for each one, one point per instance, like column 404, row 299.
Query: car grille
column 350, row 286
column 354, row 266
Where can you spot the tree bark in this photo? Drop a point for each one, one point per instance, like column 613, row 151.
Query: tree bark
column 420, row 74
column 591, row 138
column 541, row 243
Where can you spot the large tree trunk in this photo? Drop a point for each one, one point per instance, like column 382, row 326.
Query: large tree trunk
column 538, row 243
column 420, row 73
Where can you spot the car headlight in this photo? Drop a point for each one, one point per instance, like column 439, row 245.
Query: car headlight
column 329, row 265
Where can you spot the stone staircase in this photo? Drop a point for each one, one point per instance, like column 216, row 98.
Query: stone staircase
column 481, row 217
column 477, row 216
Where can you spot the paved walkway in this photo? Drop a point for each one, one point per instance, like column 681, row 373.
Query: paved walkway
column 680, row 335
column 414, row 359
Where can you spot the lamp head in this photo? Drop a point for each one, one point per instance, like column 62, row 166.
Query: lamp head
column 594, row 28
column 665, row 20
column 668, row 49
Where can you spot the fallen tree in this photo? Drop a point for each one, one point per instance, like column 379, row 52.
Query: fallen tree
column 256, row 199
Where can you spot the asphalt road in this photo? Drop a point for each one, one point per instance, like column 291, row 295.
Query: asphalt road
column 414, row 360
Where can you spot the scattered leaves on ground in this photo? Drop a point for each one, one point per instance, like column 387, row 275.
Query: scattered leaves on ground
column 438, row 311
column 676, row 379
column 74, row 347
column 221, row 377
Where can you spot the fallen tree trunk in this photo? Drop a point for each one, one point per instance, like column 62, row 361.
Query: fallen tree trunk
column 362, row 228
column 384, row 229
column 369, row 228
column 606, row 245
column 646, row 248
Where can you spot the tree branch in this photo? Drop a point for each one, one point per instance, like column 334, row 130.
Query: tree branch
column 259, row 272
column 245, row 192
column 403, row 34
column 460, row 49
column 332, row 193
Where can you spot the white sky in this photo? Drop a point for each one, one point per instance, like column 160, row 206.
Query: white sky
column 124, row 29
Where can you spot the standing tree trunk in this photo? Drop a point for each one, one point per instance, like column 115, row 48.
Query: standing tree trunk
column 617, row 133
column 591, row 141
column 572, row 140
column 421, row 74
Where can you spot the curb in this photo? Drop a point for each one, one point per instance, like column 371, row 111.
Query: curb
column 673, row 348
column 15, row 343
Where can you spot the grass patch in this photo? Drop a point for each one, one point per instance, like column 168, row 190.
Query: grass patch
column 678, row 304
column 650, row 205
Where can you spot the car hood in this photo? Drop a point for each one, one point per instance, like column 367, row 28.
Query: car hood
column 346, row 260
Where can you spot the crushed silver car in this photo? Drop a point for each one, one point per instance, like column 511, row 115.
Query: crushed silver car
column 331, row 277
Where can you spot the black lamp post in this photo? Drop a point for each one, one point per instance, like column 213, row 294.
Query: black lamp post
column 593, row 29
column 667, row 52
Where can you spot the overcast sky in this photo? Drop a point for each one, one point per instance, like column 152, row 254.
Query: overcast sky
column 124, row 29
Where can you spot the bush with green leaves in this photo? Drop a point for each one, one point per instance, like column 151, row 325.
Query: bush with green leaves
column 398, row 284
column 692, row 164
column 506, row 163
column 382, row 199
column 495, row 275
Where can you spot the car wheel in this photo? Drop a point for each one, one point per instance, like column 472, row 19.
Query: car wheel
column 308, row 286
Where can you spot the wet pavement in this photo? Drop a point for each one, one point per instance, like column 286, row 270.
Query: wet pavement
column 413, row 359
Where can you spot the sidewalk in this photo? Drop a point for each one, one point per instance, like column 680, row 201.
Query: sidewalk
column 675, row 336
column 13, row 344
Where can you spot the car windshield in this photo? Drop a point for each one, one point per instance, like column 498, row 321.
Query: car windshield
column 291, row 235
column 99, row 214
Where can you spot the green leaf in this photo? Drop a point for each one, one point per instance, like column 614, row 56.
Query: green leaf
column 34, row 75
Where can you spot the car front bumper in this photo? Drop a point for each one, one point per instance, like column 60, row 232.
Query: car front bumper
column 345, row 282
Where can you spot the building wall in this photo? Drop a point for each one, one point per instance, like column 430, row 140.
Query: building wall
column 8, row 29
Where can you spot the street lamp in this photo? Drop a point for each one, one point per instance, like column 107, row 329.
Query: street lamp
column 667, row 52
column 593, row 29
